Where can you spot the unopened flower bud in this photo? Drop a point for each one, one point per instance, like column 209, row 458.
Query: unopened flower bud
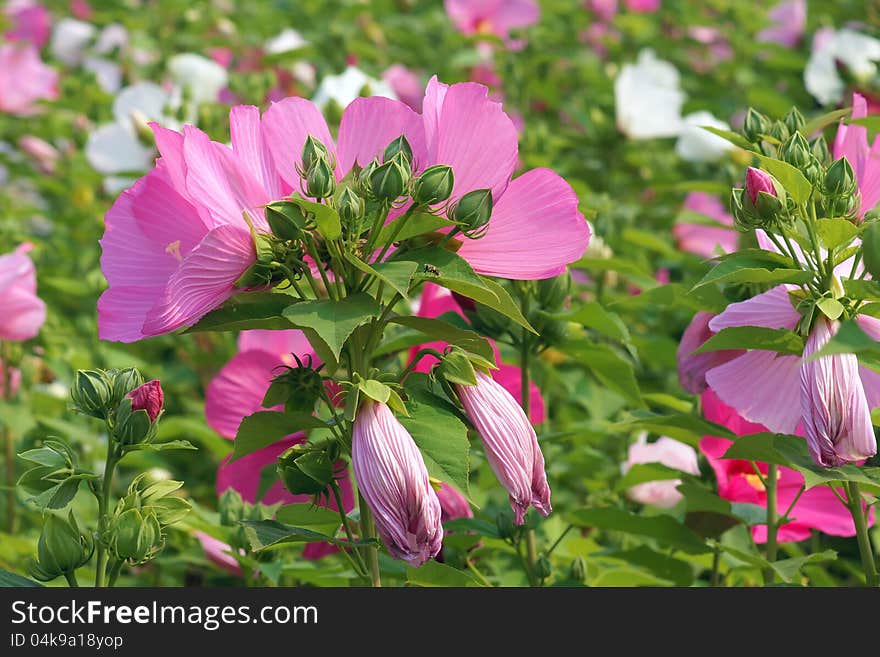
column 543, row 567
column 504, row 525
column 320, row 179
column 92, row 393
column 313, row 150
column 304, row 470
column 473, row 211
column 123, row 382
column 578, row 570
column 286, row 220
column 434, row 185
column 61, row 549
column 840, row 180
column 350, row 206
column 297, row 389
column 552, row 292
column 399, row 145
column 231, row 507
column 793, row 120
column 148, row 397
column 778, row 130
column 135, row 536
column 389, row 181
column 758, row 181
column 819, row 148
column 755, row 125
column 797, row 151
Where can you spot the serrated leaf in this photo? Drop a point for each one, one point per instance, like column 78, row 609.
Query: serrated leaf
column 754, row 337
column 663, row 528
column 248, row 310
column 834, row 233
column 436, row 329
column 397, row 275
column 754, row 266
column 795, row 183
column 733, row 137
column 264, row 428
column 333, row 321
column 592, row 315
column 265, row 534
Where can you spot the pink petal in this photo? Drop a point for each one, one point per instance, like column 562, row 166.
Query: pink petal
column 243, row 475
column 204, row 280
column 770, row 309
column 219, row 553
column 23, row 314
column 763, row 386
column 534, row 232
column 286, row 125
column 370, row 124
column 252, row 149
column 277, row 343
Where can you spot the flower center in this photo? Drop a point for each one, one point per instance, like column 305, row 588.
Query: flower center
column 174, row 249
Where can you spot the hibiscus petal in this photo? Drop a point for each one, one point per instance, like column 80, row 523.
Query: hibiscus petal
column 286, row 126
column 534, row 232
column 251, row 148
column 279, row 344
column 238, row 390
column 770, row 309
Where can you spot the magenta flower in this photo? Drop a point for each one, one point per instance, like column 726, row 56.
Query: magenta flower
column 642, row 6
column 605, row 10
column 23, row 311
column 24, row 79
column 510, row 444
column 758, row 181
column 31, row 22
column 496, row 17
column 219, row 553
column 406, row 85
column 789, row 20
column 692, row 367
column 453, row 504
column 837, row 420
column 851, row 142
column 817, row 508
column 148, row 397
column 703, row 240
column 668, row 452
column 392, row 477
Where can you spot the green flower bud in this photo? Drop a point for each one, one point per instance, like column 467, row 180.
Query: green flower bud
column 92, row 393
column 504, row 523
column 819, row 149
column 543, row 567
column 755, row 125
column 840, row 180
column 286, row 220
column 472, row 213
column 61, row 549
column 135, row 536
column 793, row 120
column 399, row 145
column 389, row 181
column 231, row 507
column 350, row 206
column 552, row 292
column 312, row 151
column 297, row 388
column 553, row 332
column 132, row 427
column 123, row 382
column 768, row 206
column 305, row 470
column 796, row 151
column 578, row 570
column 363, row 179
column 434, row 185
column 778, row 130
column 320, row 179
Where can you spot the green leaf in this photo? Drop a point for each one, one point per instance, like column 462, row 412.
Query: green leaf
column 417, row 224
column 375, row 390
column 641, row 277
column 795, row 183
column 265, row 534
column 754, row 266
column 831, row 308
column 871, row 247
column 433, row 573
column 609, row 368
column 640, row 473
column 754, row 337
column 396, row 275
column 308, row 516
column 248, row 310
column 680, row 573
column 479, row 527
column 44, row 456
column 58, row 496
column 439, row 330
column 592, row 315
column 663, row 528
column 326, row 217
column 506, row 305
column 872, row 123
column 439, row 433
column 862, row 289
column 333, row 321
column 834, row 233
column 10, row 580
column 264, row 428
column 733, row 137
column 823, row 121
column 682, row 426
column 161, row 447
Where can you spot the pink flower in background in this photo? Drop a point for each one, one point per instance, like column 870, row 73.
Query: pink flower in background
column 668, row 452
column 773, row 396
column 642, row 6
column 219, row 553
column 406, row 85
column 23, row 311
column 496, row 17
column 836, row 417
column 392, row 477
column 24, row 79
column 510, row 444
column 31, row 22
column 692, row 367
column 701, row 239
column 605, row 10
column 14, row 378
column 817, row 508
column 789, row 21
column 81, row 9
column 453, row 504
column 851, row 142
column 43, row 154
column 148, row 397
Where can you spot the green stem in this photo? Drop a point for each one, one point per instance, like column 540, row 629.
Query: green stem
column 854, row 497
column 398, row 226
column 71, row 580
column 772, row 524
column 371, row 552
column 115, row 569
column 716, row 564
column 360, row 566
column 525, row 352
column 103, row 512
column 8, row 444
column 310, row 245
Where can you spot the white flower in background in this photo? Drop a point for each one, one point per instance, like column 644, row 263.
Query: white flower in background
column 199, row 78
column 347, row 86
column 76, row 43
column 697, row 145
column 856, row 52
column 648, row 98
column 286, row 41
column 665, row 451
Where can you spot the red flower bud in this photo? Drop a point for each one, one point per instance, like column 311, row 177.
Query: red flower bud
column 758, row 181
column 148, row 397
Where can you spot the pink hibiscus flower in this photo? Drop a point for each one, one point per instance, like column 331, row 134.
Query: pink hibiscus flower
column 406, row 85
column 31, row 22
column 496, row 17
column 24, row 79
column 789, row 20
column 176, row 241
column 23, row 311
column 851, row 142
column 817, row 508
column 642, row 6
column 703, row 240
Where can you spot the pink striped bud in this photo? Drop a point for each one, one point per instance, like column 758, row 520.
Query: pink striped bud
column 758, row 181
column 836, row 416
column 453, row 504
column 148, row 397
column 510, row 443
column 393, row 479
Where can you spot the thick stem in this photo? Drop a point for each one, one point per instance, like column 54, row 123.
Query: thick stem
column 371, row 552
column 772, row 524
column 71, row 580
column 103, row 514
column 854, row 499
